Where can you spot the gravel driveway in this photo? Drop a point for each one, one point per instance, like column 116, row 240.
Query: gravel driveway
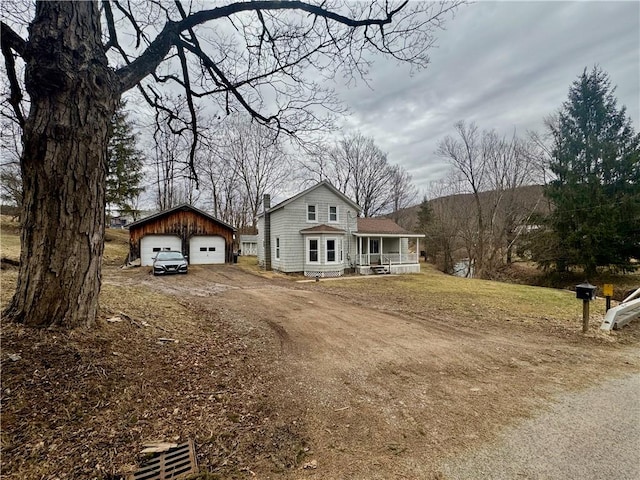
column 590, row 435
column 376, row 386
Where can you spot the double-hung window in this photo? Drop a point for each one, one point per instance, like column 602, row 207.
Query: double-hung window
column 313, row 245
column 331, row 250
column 277, row 248
column 333, row 214
column 312, row 213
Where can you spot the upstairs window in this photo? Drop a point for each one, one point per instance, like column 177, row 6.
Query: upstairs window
column 333, row 214
column 312, row 215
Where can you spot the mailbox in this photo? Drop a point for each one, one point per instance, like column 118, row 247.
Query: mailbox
column 585, row 291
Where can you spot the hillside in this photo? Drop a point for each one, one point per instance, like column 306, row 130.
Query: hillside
column 530, row 197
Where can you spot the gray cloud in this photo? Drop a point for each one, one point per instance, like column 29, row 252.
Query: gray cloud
column 504, row 65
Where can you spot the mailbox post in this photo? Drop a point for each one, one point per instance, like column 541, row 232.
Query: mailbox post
column 585, row 292
column 607, row 291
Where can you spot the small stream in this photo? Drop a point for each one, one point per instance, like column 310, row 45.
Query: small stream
column 461, row 269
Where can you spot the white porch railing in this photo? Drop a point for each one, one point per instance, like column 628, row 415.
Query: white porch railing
column 387, row 258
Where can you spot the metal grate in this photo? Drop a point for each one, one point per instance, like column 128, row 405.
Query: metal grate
column 173, row 464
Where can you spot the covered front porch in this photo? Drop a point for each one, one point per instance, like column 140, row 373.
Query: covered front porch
column 387, row 253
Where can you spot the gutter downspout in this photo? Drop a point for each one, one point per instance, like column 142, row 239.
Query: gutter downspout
column 349, row 239
column 266, row 203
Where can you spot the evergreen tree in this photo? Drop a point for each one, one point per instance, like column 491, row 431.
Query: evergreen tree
column 435, row 221
column 596, row 191
column 425, row 215
column 124, row 163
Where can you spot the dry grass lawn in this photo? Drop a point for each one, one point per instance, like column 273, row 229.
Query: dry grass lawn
column 357, row 378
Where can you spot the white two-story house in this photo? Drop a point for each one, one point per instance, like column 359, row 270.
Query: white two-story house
column 317, row 232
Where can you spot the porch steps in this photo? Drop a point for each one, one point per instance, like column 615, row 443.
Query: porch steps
column 379, row 269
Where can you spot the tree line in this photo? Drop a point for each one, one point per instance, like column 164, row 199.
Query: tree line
column 237, row 161
column 586, row 216
column 479, row 208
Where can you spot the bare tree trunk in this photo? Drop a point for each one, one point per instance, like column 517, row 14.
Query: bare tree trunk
column 73, row 97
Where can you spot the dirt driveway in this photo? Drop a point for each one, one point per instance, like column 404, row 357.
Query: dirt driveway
column 380, row 393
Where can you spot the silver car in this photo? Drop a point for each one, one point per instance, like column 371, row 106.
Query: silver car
column 169, row 262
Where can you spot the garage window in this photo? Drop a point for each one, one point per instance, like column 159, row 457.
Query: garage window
column 212, row 249
column 203, row 249
column 156, row 249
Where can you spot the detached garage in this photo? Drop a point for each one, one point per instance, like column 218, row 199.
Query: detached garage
column 198, row 235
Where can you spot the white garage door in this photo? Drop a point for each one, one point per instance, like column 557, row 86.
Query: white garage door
column 206, row 250
column 150, row 245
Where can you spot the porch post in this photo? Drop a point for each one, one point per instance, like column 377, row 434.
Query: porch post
column 400, row 251
column 418, row 250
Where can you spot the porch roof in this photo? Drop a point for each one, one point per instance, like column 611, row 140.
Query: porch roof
column 321, row 229
column 382, row 227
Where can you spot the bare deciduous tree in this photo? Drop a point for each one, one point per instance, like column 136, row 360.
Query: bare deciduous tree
column 492, row 169
column 259, row 160
column 173, row 182
column 10, row 175
column 466, row 156
column 221, row 182
column 365, row 172
column 402, row 194
column 358, row 168
column 241, row 162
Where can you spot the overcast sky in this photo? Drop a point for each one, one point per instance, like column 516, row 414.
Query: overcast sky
column 504, row 65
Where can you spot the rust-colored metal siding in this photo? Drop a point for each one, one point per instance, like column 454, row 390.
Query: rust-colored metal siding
column 185, row 224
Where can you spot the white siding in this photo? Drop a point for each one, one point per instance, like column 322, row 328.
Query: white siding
column 248, row 248
column 287, row 222
column 260, row 246
column 285, row 227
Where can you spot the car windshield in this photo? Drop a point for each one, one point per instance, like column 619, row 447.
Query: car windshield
column 169, row 256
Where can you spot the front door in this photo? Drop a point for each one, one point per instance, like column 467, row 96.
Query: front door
column 374, row 245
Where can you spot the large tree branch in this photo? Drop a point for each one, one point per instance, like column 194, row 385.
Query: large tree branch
column 192, row 112
column 11, row 41
column 111, row 27
column 146, row 63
